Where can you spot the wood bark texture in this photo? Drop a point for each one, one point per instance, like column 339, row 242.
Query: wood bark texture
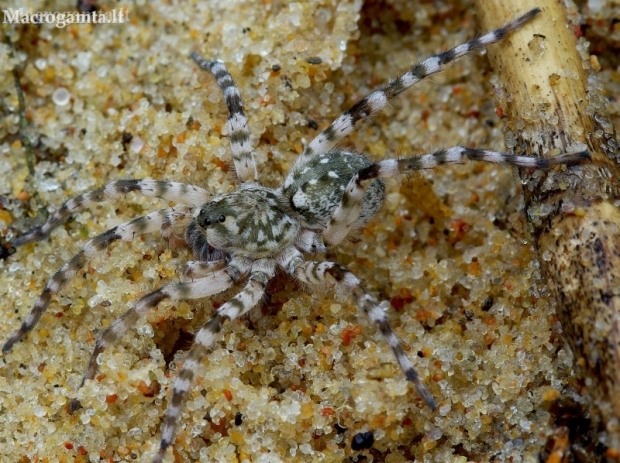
column 573, row 213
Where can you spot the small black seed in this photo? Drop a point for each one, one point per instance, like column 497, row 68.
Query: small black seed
column 362, row 440
column 238, row 419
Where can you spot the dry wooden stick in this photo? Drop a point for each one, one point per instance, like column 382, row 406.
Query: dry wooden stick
column 572, row 213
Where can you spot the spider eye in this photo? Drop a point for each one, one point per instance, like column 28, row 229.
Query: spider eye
column 222, row 218
column 207, row 222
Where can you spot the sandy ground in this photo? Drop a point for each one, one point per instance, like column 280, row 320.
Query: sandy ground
column 300, row 376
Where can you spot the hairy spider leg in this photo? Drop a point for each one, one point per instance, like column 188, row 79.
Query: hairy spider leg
column 316, row 273
column 124, row 232
column 204, row 287
column 346, row 213
column 171, row 191
column 195, row 269
column 237, row 122
column 262, row 271
column 378, row 99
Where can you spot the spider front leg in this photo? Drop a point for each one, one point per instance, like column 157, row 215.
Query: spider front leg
column 171, row 191
column 378, row 99
column 460, row 154
column 204, row 287
column 126, row 232
column 197, row 242
column 347, row 212
column 262, row 271
column 316, row 273
column 237, row 122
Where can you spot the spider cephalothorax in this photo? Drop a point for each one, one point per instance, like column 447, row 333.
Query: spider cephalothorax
column 254, row 221
column 244, row 236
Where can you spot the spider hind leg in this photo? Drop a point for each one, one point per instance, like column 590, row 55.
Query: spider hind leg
column 126, row 232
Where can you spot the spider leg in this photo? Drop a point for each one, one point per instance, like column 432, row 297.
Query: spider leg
column 346, row 214
column 197, row 241
column 460, row 154
column 309, row 241
column 203, row 287
column 315, row 273
column 378, row 99
column 195, row 269
column 262, row 271
column 171, row 191
column 237, row 122
column 125, row 232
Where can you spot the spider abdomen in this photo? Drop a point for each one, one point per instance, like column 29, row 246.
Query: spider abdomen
column 316, row 188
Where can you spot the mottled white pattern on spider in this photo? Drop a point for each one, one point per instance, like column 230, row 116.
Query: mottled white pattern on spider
column 247, row 234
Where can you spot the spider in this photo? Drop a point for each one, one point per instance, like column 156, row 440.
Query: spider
column 244, row 236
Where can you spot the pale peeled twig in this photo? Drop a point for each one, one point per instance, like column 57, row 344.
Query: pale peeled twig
column 572, row 215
